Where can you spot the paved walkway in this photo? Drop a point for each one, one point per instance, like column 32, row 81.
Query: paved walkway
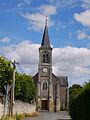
column 51, row 116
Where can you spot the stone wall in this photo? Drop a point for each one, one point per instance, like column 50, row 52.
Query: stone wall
column 20, row 107
column 1, row 110
column 63, row 97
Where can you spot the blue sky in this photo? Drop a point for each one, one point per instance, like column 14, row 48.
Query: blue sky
column 21, row 28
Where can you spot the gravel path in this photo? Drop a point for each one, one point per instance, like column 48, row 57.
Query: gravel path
column 51, row 116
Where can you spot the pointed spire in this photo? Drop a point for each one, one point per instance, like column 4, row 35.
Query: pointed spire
column 45, row 39
column 46, row 20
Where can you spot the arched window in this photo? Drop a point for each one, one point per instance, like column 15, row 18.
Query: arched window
column 45, row 58
column 45, row 85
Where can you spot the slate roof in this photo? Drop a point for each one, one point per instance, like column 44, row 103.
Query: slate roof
column 63, row 80
column 35, row 78
column 45, row 39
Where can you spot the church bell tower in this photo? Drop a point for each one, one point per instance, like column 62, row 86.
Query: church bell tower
column 44, row 84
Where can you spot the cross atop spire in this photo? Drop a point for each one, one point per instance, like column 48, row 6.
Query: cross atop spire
column 46, row 18
column 45, row 39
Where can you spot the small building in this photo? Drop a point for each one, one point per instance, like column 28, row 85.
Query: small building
column 52, row 90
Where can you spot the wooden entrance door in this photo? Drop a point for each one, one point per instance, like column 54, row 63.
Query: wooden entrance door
column 44, row 105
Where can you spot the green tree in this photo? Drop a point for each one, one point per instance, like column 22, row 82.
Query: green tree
column 5, row 73
column 25, row 88
column 74, row 90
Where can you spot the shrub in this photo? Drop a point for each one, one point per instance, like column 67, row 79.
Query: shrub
column 7, row 118
column 20, row 116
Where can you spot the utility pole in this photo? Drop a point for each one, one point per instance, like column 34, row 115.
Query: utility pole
column 12, row 89
column 7, row 89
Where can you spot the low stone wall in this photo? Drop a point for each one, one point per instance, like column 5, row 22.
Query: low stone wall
column 1, row 109
column 20, row 107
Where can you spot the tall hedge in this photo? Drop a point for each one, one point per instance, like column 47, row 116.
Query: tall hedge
column 80, row 104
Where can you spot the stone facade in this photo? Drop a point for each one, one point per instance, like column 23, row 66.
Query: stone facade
column 51, row 90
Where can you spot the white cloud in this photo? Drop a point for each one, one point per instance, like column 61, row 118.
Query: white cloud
column 83, row 18
column 37, row 21
column 25, row 53
column 63, row 3
column 59, row 25
column 24, row 2
column 86, row 4
column 19, row 4
column 47, row 9
column 86, row 1
column 28, row 1
column 5, row 39
column 70, row 3
column 83, row 35
column 70, row 61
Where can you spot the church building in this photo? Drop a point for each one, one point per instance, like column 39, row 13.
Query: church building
column 52, row 90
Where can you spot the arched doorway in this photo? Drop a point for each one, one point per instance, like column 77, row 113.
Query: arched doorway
column 44, row 104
